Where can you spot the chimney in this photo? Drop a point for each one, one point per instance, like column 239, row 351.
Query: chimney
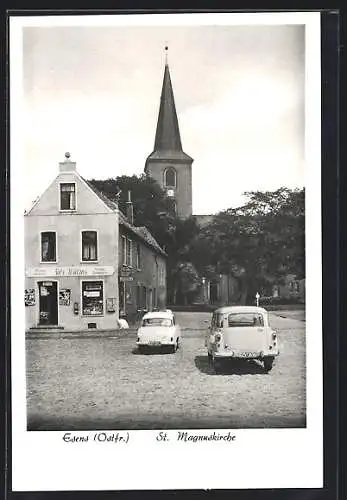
column 130, row 209
column 67, row 165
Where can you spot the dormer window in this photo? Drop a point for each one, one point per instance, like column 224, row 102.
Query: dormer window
column 170, row 177
column 68, row 196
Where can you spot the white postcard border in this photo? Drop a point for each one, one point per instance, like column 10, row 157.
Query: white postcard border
column 269, row 458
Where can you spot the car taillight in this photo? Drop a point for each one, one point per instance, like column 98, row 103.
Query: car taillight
column 217, row 337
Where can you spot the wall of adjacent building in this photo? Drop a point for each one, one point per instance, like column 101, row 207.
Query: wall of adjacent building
column 151, row 275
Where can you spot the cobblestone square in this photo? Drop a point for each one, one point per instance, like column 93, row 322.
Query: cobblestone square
column 104, row 383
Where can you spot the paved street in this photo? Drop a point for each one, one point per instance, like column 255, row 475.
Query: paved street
column 103, row 383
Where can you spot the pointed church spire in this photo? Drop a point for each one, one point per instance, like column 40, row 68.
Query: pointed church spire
column 168, row 165
column 167, row 142
column 167, row 137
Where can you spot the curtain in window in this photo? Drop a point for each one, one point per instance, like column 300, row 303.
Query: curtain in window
column 67, row 193
column 89, row 245
column 48, row 247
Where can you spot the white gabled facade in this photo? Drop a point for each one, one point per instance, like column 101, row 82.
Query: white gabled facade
column 71, row 256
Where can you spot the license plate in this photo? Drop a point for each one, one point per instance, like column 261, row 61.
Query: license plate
column 248, row 354
column 154, row 342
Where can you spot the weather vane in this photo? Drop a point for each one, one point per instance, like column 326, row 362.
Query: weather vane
column 166, row 52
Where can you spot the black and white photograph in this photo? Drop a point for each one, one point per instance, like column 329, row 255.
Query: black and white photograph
column 168, row 243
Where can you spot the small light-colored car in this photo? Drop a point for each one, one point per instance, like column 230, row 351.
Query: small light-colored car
column 241, row 332
column 159, row 328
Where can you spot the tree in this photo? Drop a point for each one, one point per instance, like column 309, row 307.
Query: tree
column 258, row 243
column 152, row 209
column 149, row 202
column 186, row 281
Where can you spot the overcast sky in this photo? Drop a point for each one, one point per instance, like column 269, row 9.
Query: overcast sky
column 239, row 92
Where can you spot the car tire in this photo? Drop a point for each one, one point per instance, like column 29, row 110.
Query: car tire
column 268, row 363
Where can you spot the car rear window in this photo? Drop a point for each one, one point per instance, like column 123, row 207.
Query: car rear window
column 157, row 322
column 245, row 319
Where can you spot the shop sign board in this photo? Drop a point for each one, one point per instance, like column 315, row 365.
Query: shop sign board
column 72, row 271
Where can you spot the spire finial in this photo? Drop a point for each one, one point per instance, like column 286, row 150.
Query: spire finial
column 166, row 53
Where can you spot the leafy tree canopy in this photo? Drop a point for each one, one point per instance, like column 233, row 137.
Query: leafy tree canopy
column 151, row 207
column 258, row 243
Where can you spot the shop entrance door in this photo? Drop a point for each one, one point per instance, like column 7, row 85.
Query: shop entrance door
column 48, row 303
column 122, row 310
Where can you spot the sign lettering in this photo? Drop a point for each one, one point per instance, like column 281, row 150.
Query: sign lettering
column 73, row 271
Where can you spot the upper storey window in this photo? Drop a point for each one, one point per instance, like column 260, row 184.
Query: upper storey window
column 68, row 196
column 89, row 245
column 48, row 246
column 170, row 177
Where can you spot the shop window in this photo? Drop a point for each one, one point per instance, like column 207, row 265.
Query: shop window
column 48, row 247
column 170, row 177
column 138, row 256
column 68, row 196
column 89, row 246
column 92, row 298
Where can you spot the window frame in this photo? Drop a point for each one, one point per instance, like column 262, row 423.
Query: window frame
column 130, row 250
column 56, row 247
column 124, row 249
column 172, row 169
column 64, row 210
column 89, row 261
column 127, row 251
column 103, row 298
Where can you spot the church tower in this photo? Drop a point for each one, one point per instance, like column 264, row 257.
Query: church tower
column 168, row 164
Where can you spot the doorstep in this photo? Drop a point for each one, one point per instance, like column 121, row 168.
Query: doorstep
column 87, row 333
